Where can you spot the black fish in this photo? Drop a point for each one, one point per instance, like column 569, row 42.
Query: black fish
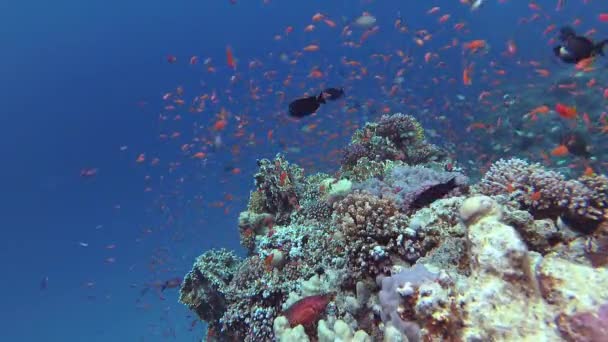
column 305, row 106
column 577, row 48
column 433, row 193
column 333, row 94
column 577, row 145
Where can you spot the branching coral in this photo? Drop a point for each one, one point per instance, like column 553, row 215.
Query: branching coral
column 546, row 193
column 276, row 183
column 369, row 227
column 205, row 287
column 394, row 137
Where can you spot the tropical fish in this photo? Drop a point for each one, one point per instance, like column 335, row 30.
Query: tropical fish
column 577, row 48
column 305, row 106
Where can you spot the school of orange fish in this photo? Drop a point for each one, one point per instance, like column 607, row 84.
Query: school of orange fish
column 215, row 128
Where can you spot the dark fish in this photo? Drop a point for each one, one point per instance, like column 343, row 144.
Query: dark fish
column 305, row 106
column 577, row 48
column 433, row 193
column 333, row 94
column 577, row 145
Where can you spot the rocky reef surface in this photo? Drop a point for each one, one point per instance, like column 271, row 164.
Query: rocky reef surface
column 398, row 246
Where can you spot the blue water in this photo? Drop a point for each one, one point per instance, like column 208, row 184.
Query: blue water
column 80, row 79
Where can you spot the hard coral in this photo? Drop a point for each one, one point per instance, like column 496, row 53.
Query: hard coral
column 412, row 188
column 394, row 137
column 402, row 130
column 369, row 227
column 277, row 183
column 205, row 287
column 546, row 193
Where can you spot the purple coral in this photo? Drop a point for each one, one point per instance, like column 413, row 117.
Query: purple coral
column 352, row 153
column 402, row 288
column 547, row 193
column 413, row 187
column 584, row 326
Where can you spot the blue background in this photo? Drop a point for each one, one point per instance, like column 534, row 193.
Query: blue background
column 74, row 76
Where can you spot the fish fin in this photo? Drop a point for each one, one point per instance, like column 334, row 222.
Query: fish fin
column 556, row 50
column 320, row 98
column 599, row 47
column 566, row 32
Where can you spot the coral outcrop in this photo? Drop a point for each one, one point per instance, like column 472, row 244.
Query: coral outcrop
column 396, row 137
column 397, row 247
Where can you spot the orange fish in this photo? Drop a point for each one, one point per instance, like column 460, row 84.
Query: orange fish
column 543, row 72
column 311, row 48
column 329, row 23
column 466, row 75
column 220, row 124
column 566, row 112
column 230, row 58
column 538, row 110
column 535, row 196
column 511, row 48
column 199, row 155
column 559, row 151
column 475, row 45
column 318, row 17
column 141, row 158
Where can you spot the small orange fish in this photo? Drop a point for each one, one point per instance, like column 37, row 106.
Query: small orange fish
column 466, row 75
column 311, row 48
column 199, row 155
column 588, row 172
column 543, row 72
column 318, row 17
column 535, row 196
column 560, row 151
column 230, row 58
column 329, row 23
column 141, row 158
column 475, row 45
column 268, row 261
column 220, row 125
column 565, row 111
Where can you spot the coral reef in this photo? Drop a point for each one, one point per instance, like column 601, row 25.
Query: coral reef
column 414, row 187
column 547, row 193
column 396, row 137
column 276, row 183
column 395, row 247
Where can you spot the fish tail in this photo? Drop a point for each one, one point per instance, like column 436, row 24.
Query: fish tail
column 320, row 98
column 599, row 47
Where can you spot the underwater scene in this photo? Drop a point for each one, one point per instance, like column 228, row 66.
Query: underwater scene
column 267, row 170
